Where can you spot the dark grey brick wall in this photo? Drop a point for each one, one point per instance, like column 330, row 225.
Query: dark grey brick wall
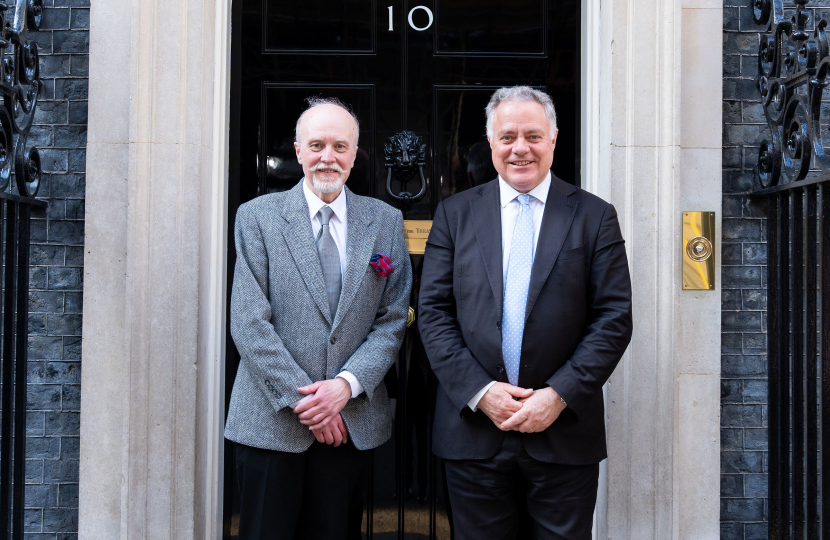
column 54, row 392
column 744, row 507
column 744, row 362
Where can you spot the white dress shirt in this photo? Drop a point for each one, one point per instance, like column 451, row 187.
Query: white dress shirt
column 509, row 214
column 338, row 225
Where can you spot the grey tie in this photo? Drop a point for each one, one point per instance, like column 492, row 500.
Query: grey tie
column 329, row 260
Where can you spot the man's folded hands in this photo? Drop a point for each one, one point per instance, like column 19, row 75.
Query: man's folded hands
column 335, row 433
column 521, row 409
column 538, row 412
column 320, row 410
column 500, row 403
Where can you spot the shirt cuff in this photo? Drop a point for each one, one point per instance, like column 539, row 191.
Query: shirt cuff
column 473, row 403
column 357, row 388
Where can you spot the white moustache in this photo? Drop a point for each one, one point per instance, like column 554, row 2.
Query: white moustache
column 332, row 166
column 327, row 186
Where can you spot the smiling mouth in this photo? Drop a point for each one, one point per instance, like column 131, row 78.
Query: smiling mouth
column 328, row 171
column 520, row 163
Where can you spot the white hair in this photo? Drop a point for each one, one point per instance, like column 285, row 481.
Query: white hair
column 315, row 101
column 519, row 93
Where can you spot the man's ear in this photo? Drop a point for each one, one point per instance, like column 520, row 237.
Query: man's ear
column 555, row 136
column 297, row 150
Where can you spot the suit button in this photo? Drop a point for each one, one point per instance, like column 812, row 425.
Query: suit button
column 332, row 340
column 498, row 325
column 500, row 369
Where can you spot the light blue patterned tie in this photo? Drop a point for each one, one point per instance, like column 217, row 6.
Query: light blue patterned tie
column 515, row 289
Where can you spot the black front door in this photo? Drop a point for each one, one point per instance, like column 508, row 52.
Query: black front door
column 426, row 66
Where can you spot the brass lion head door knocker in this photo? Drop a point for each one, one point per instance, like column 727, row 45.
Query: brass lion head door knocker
column 405, row 156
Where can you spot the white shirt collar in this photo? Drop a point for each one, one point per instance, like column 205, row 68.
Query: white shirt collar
column 507, row 192
column 315, row 203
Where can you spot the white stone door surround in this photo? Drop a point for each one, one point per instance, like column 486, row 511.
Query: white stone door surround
column 154, row 287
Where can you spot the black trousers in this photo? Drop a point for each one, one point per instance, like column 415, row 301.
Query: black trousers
column 488, row 496
column 317, row 494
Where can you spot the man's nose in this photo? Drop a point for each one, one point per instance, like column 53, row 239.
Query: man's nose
column 521, row 146
column 327, row 155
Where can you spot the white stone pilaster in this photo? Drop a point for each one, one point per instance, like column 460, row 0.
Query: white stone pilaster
column 105, row 268
column 149, row 443
column 659, row 155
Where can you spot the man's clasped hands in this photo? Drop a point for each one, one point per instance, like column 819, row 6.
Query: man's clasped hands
column 521, row 409
column 508, row 406
column 320, row 410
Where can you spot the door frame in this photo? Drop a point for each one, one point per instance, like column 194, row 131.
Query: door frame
column 217, row 306
column 158, row 140
column 590, row 177
column 641, row 150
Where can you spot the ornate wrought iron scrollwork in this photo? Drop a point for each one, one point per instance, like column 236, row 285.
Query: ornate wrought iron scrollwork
column 20, row 84
column 405, row 156
column 793, row 70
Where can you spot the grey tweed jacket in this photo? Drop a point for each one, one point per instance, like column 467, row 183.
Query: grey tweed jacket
column 282, row 327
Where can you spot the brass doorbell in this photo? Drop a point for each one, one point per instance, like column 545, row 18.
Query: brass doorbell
column 698, row 250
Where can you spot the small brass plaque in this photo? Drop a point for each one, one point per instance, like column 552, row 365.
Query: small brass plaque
column 416, row 233
column 698, row 251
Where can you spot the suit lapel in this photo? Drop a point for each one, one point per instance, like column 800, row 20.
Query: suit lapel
column 361, row 232
column 303, row 248
column 556, row 222
column 486, row 212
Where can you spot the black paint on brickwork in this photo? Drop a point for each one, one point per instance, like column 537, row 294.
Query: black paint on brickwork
column 57, row 255
column 744, row 257
column 744, row 413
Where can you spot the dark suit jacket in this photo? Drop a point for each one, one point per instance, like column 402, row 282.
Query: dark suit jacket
column 578, row 320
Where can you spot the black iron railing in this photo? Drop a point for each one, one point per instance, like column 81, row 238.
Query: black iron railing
column 798, row 318
column 16, row 215
column 794, row 177
column 20, row 86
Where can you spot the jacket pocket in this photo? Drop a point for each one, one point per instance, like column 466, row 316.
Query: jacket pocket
column 572, row 253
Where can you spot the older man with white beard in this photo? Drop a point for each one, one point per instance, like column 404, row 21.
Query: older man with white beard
column 318, row 323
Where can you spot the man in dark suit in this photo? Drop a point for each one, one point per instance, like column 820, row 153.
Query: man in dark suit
column 317, row 328
column 525, row 310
